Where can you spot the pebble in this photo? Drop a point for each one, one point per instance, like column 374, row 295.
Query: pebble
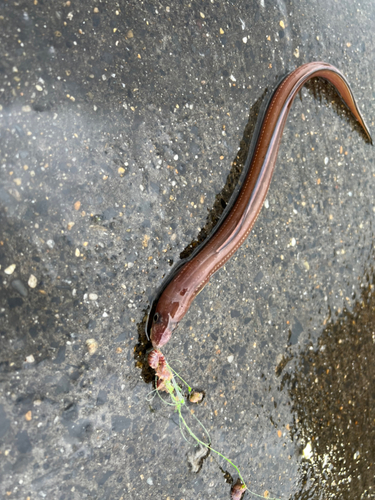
column 30, row 359
column 32, row 281
column 93, row 296
column 196, row 396
column 307, row 451
column 50, row 243
column 10, row 269
column 92, row 346
column 150, row 481
column 19, row 287
column 230, row 359
column 145, row 241
column 13, row 192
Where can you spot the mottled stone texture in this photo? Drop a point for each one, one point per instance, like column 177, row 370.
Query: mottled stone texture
column 119, row 124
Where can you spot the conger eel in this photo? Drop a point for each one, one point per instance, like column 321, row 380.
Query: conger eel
column 193, row 274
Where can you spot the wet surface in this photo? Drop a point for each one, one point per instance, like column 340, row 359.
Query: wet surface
column 333, row 397
column 119, row 126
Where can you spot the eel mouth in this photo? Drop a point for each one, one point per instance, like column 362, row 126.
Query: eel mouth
column 160, row 336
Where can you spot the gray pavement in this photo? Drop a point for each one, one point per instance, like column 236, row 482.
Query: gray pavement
column 119, row 125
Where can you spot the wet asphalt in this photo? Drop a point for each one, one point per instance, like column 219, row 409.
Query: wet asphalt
column 120, row 123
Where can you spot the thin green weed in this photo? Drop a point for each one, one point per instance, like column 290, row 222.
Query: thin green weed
column 178, row 401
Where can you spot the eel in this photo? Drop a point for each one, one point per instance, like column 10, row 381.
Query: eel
column 180, row 289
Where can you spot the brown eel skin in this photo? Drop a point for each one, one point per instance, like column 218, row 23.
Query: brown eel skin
column 192, row 275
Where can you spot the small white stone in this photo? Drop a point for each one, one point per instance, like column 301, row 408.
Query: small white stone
column 10, row 269
column 39, row 88
column 93, row 296
column 130, row 264
column 50, row 243
column 30, row 358
column 232, row 78
column 150, row 481
column 77, row 252
column 326, row 160
column 267, row 203
column 92, row 346
column 175, row 157
column 230, row 359
column 32, row 281
column 293, row 242
column 307, row 452
column 244, row 39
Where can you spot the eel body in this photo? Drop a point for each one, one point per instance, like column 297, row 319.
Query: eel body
column 192, row 275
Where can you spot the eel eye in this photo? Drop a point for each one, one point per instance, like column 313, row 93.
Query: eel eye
column 156, row 317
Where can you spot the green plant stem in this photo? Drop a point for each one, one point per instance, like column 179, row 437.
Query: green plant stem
column 177, row 375
column 178, row 403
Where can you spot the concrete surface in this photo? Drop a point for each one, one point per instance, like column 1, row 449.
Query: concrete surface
column 119, row 125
